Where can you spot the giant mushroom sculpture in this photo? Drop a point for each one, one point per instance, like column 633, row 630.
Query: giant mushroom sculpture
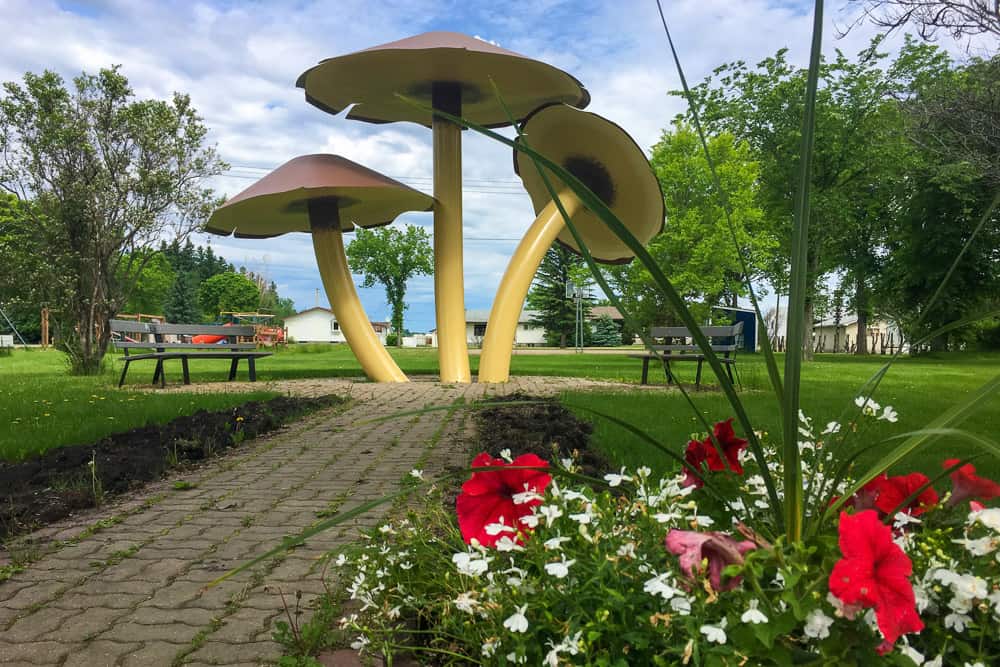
column 609, row 162
column 453, row 73
column 326, row 195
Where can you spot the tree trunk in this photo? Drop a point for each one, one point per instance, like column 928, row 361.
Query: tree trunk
column 861, row 308
column 807, row 334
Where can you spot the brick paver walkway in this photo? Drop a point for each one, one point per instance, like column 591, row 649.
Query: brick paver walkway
column 126, row 585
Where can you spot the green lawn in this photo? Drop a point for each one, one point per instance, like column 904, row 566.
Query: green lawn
column 45, row 407
column 919, row 389
column 42, row 406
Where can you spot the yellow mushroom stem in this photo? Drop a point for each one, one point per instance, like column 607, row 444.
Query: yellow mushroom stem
column 449, row 290
column 494, row 362
column 328, row 243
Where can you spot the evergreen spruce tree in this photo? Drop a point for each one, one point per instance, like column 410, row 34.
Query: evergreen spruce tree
column 182, row 303
column 606, row 332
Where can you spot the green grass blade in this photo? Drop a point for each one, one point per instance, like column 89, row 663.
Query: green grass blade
column 797, row 295
column 770, row 361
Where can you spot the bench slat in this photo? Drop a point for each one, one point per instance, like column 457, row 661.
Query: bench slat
column 189, row 346
column 207, row 329
column 684, row 332
column 128, row 326
column 694, row 348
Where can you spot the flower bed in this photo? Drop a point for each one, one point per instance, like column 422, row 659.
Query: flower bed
column 538, row 567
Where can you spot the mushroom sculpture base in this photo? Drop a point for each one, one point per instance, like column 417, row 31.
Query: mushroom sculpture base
column 494, row 362
column 328, row 243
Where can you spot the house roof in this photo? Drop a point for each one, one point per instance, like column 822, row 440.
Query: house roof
column 308, row 310
column 330, row 313
column 610, row 311
column 483, row 316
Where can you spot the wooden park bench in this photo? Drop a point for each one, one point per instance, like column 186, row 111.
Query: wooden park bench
column 687, row 350
column 151, row 336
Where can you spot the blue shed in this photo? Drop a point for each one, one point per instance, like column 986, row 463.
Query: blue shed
column 749, row 319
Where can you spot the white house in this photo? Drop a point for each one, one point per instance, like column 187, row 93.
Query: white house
column 318, row 325
column 475, row 329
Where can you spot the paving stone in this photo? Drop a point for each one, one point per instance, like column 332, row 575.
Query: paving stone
column 187, row 615
column 92, row 622
column 32, row 653
column 154, row 653
column 99, row 654
column 32, row 595
column 39, row 626
column 106, row 600
column 174, row 633
column 214, row 652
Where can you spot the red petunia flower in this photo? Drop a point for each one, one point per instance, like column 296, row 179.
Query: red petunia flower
column 874, row 572
column 965, row 484
column 705, row 451
column 885, row 493
column 718, row 549
column 490, row 498
column 894, row 490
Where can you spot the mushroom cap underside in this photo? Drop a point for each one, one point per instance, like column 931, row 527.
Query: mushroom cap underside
column 371, row 79
column 602, row 155
column 279, row 202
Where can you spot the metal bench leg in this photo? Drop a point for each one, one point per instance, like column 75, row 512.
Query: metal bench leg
column 697, row 381
column 121, row 380
column 666, row 370
column 158, row 374
column 232, row 368
column 645, row 371
column 729, row 371
column 184, row 367
column 253, row 368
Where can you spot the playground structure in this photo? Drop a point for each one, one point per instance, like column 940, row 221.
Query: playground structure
column 265, row 335
column 416, row 80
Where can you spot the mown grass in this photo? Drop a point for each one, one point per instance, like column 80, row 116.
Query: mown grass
column 919, row 389
column 42, row 406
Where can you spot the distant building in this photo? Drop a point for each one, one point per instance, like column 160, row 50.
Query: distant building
column 475, row 329
column 318, row 325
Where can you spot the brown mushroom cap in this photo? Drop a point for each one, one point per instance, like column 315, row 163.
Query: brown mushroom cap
column 609, row 162
column 371, row 78
column 278, row 203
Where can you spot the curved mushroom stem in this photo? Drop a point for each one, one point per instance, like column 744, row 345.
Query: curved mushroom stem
column 328, row 243
column 494, row 362
column 449, row 285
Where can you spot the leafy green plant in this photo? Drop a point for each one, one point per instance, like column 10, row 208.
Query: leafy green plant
column 303, row 639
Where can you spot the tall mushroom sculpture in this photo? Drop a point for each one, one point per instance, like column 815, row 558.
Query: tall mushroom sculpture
column 326, row 195
column 609, row 162
column 453, row 73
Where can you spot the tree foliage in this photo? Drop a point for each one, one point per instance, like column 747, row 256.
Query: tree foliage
column 554, row 311
column 390, row 256
column 697, row 251
column 606, row 332
column 227, row 292
column 181, row 305
column 859, row 148
column 152, row 287
column 107, row 176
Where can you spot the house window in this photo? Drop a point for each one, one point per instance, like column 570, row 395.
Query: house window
column 334, row 326
column 478, row 330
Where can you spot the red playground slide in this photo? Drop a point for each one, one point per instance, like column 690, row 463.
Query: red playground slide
column 207, row 338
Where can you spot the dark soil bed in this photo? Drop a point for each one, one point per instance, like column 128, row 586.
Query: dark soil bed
column 52, row 486
column 546, row 429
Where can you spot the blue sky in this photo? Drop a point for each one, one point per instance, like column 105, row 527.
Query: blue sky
column 239, row 62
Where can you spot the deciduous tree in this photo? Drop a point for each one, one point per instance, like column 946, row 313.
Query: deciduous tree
column 390, row 256
column 108, row 175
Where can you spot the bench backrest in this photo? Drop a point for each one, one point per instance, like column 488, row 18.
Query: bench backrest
column 730, row 334
column 151, row 335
